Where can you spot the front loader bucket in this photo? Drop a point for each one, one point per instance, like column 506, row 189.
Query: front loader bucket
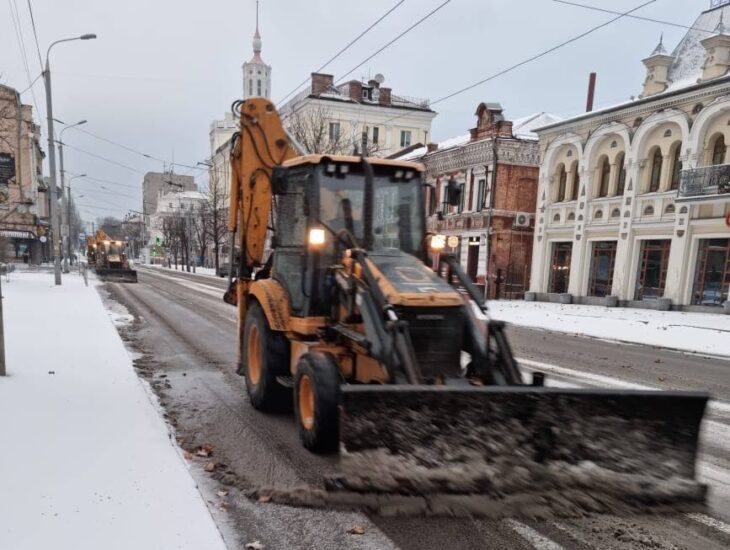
column 116, row 275
column 517, row 448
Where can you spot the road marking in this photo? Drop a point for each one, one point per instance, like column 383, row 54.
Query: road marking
column 711, row 522
column 536, row 539
column 601, row 380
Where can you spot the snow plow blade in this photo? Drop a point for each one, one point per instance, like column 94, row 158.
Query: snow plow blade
column 514, row 448
column 117, row 275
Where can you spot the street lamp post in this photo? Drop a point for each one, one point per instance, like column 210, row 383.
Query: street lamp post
column 52, row 157
column 65, row 212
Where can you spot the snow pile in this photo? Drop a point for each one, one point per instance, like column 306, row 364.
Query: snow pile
column 88, row 463
column 704, row 333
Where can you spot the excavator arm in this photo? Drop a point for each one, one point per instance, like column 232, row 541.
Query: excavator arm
column 261, row 144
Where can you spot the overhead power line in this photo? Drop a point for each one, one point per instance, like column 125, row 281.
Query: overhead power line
column 35, row 34
column 394, row 40
column 17, row 27
column 112, row 142
column 639, row 17
column 105, row 159
column 535, row 57
column 342, row 50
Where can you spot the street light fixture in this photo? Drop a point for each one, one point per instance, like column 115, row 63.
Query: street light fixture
column 52, row 156
column 65, row 218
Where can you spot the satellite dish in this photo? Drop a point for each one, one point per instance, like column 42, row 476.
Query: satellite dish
column 379, row 78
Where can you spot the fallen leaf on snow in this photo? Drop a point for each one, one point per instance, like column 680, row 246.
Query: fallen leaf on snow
column 255, row 545
column 205, row 451
column 209, row 467
column 222, row 493
column 265, row 498
column 357, row 530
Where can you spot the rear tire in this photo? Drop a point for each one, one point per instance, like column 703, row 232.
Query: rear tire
column 316, row 402
column 265, row 356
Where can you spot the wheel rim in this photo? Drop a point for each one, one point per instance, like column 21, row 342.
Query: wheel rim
column 254, row 355
column 306, row 402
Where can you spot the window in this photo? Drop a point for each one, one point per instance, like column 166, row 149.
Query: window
column 562, row 182
column 334, row 131
column 676, row 167
column 652, row 269
column 656, row 171
column 482, row 189
column 405, row 138
column 598, row 215
column 375, row 135
column 576, row 183
column 250, row 87
column 462, row 196
column 602, row 264
column 560, row 267
column 431, row 201
column 621, row 187
column 258, row 87
column 605, row 178
column 712, row 274
column 719, row 150
column 364, row 94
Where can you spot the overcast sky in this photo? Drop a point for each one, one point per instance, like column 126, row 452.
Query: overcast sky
column 162, row 70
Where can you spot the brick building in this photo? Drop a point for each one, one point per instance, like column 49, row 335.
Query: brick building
column 24, row 224
column 495, row 166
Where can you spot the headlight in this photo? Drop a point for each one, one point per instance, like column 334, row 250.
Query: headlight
column 316, row 237
column 438, row 242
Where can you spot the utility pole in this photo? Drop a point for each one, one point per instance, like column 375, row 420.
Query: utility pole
column 66, row 202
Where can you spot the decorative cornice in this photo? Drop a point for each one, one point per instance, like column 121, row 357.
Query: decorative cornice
column 479, row 154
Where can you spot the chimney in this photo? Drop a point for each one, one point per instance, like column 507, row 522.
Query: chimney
column 321, row 82
column 431, row 147
column 591, row 92
column 355, row 90
column 384, row 98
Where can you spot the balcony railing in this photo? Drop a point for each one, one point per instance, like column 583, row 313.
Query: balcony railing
column 705, row 183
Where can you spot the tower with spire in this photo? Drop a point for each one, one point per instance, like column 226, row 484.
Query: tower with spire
column 256, row 73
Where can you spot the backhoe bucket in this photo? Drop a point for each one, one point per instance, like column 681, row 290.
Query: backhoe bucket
column 116, row 275
column 518, row 449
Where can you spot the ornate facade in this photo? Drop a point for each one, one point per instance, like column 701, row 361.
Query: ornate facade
column 628, row 209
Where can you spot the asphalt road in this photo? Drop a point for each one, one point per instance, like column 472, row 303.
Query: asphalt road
column 184, row 339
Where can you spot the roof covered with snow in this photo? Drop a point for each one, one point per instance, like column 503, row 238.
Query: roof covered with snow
column 689, row 55
column 524, row 127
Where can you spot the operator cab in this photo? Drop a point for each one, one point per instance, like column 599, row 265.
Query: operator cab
column 324, row 205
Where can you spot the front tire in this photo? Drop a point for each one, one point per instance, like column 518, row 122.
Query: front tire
column 265, row 356
column 316, row 402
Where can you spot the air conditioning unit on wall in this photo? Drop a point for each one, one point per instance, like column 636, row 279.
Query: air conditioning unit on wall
column 521, row 220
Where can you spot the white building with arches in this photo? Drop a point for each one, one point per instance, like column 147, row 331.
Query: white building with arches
column 632, row 199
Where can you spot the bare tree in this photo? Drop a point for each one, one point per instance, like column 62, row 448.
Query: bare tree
column 311, row 129
column 217, row 210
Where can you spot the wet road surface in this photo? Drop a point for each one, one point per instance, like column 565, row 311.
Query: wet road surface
column 184, row 337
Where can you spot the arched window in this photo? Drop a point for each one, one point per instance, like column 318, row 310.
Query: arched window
column 656, row 171
column 605, row 178
column 719, row 150
column 649, row 211
column 598, row 215
column 576, row 182
column 621, row 187
column 676, row 167
column 556, row 218
column 562, row 182
column 616, row 213
column 571, row 217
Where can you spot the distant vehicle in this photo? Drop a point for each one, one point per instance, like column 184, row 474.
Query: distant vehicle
column 224, row 270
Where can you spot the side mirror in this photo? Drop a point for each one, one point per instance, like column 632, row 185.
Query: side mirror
column 453, row 191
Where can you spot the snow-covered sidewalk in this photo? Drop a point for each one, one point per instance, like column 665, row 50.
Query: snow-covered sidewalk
column 87, row 462
column 704, row 333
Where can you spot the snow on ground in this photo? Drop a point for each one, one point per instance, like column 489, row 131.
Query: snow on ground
column 704, row 333
column 87, row 461
column 207, row 271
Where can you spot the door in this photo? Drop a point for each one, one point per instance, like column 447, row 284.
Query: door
column 712, row 275
column 560, row 268
column 601, row 279
column 472, row 259
column 652, row 275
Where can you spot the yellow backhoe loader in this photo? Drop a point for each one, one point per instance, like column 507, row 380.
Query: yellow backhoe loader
column 110, row 259
column 399, row 368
